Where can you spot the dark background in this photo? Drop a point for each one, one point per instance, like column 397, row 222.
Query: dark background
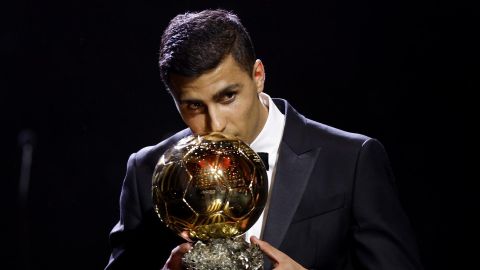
column 83, row 76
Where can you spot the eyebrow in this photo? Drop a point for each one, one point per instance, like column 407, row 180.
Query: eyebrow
column 216, row 96
column 226, row 90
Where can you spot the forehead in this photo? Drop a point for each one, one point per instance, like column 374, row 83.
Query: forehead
column 228, row 72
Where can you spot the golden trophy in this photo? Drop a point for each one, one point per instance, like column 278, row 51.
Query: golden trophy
column 210, row 190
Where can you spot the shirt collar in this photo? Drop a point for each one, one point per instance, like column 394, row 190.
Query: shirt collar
column 269, row 138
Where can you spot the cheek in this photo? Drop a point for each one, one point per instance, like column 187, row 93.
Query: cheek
column 243, row 116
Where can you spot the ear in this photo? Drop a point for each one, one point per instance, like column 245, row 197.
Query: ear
column 259, row 75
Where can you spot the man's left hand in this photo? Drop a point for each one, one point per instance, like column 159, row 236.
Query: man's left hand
column 279, row 259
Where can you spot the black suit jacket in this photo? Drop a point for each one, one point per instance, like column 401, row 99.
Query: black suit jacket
column 333, row 204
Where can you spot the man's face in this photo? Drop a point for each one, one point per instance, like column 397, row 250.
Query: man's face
column 224, row 99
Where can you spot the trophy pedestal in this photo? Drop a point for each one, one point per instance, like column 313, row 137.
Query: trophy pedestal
column 224, row 253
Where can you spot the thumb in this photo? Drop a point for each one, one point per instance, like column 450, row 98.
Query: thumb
column 272, row 253
column 175, row 259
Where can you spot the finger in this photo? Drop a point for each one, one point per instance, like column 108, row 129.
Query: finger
column 185, row 236
column 279, row 259
column 272, row 253
column 175, row 259
column 180, row 250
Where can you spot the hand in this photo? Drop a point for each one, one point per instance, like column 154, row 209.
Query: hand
column 279, row 259
column 174, row 262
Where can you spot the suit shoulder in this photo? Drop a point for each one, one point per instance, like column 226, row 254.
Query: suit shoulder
column 150, row 154
column 328, row 135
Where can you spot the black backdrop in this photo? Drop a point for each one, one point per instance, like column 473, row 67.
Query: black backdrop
column 83, row 76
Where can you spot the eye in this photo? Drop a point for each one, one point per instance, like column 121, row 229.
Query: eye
column 228, row 97
column 194, row 106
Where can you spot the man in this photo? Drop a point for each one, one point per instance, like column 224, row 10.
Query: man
column 332, row 202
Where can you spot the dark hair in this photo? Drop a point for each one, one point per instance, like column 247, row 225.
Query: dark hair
column 196, row 42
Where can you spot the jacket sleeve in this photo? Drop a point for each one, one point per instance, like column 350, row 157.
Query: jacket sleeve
column 138, row 240
column 383, row 237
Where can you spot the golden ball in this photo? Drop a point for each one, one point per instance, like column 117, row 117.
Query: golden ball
column 211, row 186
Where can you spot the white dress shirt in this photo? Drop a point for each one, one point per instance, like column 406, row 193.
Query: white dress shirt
column 268, row 141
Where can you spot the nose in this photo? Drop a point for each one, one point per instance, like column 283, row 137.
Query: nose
column 216, row 121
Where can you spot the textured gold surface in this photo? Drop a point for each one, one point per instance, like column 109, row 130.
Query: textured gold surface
column 211, row 186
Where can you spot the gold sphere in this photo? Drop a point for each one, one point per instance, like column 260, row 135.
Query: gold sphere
column 211, row 186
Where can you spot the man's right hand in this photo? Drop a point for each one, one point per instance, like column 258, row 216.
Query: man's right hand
column 174, row 262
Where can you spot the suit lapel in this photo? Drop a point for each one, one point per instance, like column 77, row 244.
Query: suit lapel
column 295, row 164
column 293, row 172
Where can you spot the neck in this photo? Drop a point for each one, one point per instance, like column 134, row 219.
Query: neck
column 262, row 118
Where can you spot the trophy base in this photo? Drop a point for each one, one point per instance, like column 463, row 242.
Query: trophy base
column 224, row 253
